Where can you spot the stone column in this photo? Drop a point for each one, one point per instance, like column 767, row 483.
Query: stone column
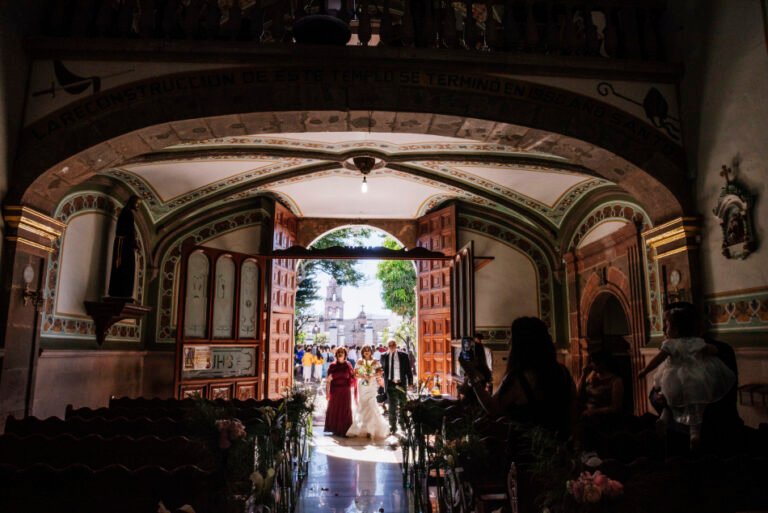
column 29, row 237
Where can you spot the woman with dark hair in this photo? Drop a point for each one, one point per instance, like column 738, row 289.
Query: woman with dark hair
column 601, row 392
column 601, row 401
column 338, row 389
column 535, row 389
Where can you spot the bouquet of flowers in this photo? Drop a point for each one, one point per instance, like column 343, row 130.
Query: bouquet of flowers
column 229, row 431
column 366, row 369
column 592, row 488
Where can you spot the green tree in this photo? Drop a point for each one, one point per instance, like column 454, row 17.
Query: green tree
column 398, row 292
column 398, row 283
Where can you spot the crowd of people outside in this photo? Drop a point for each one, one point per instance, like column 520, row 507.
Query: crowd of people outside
column 311, row 361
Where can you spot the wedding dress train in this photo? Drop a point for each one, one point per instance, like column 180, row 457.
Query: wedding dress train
column 368, row 418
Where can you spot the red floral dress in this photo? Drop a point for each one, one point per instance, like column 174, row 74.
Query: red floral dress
column 338, row 417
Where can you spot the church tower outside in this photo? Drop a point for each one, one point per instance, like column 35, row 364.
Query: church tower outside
column 334, row 304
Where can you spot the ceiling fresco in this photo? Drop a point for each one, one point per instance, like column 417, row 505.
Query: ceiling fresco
column 312, row 174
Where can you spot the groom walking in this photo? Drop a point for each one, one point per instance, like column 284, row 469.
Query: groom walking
column 398, row 377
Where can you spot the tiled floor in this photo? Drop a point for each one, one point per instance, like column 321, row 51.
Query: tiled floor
column 352, row 475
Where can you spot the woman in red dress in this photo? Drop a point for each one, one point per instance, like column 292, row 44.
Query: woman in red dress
column 338, row 389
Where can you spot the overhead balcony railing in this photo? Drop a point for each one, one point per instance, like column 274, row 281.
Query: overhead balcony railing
column 617, row 29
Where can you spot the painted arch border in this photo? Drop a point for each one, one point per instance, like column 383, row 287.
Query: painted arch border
column 56, row 326
column 530, row 249
column 136, row 120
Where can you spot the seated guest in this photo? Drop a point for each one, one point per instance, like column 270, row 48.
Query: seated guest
column 601, row 398
column 601, row 392
column 535, row 389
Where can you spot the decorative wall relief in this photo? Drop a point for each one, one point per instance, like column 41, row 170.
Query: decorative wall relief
column 734, row 211
column 738, row 311
column 196, row 310
column 249, row 292
column 655, row 105
column 223, row 301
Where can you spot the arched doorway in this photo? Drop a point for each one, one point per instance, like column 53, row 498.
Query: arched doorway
column 608, row 330
column 180, row 129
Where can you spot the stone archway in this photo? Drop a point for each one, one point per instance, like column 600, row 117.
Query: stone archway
column 609, row 292
column 106, row 129
column 101, row 131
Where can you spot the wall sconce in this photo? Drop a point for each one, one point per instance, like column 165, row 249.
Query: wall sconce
column 35, row 297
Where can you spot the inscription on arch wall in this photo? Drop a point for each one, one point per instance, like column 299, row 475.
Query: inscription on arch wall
column 166, row 320
column 369, row 87
column 56, row 325
column 405, row 86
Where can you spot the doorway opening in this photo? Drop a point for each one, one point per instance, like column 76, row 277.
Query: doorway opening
column 353, row 303
column 608, row 330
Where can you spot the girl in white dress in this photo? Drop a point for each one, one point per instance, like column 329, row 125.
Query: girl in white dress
column 689, row 374
column 368, row 419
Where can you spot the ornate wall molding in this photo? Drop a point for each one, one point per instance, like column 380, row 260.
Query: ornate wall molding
column 555, row 213
column 626, row 211
column 35, row 230
column 738, row 311
column 57, row 325
column 526, row 246
column 159, row 208
column 610, row 211
column 166, row 327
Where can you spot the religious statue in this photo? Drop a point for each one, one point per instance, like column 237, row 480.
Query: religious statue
column 734, row 211
column 121, row 279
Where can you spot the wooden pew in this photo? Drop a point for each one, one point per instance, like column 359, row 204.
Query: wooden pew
column 113, row 489
column 162, row 427
column 98, row 452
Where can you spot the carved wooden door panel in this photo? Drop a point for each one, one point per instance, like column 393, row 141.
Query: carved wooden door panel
column 219, row 338
column 436, row 232
column 279, row 354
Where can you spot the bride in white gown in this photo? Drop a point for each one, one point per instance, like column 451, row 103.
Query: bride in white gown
column 368, row 419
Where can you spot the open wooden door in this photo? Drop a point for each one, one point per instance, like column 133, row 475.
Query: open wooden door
column 437, row 232
column 219, row 338
column 282, row 293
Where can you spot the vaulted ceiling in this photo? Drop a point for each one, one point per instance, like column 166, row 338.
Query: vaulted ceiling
column 314, row 175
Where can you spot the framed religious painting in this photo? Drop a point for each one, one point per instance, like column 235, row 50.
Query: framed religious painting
column 734, row 211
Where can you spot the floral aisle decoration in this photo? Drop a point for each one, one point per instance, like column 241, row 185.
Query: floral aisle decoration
column 593, row 488
column 553, row 463
column 230, row 430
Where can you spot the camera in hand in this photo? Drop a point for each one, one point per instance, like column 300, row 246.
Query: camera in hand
column 467, row 349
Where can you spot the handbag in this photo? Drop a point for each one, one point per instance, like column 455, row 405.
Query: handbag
column 381, row 396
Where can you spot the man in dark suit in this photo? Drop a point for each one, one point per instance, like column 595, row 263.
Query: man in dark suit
column 398, row 377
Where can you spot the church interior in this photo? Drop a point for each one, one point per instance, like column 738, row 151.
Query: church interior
column 165, row 165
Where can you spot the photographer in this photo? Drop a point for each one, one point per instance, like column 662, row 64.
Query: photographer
column 474, row 354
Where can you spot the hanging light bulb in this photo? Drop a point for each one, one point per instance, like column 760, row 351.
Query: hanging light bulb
column 364, row 164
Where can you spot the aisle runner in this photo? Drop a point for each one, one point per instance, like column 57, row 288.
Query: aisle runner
column 351, row 475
